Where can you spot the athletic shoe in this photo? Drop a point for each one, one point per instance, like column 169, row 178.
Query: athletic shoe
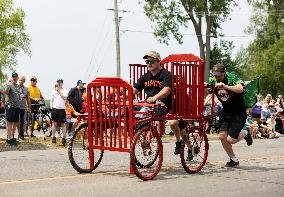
column 9, row 142
column 189, row 156
column 54, row 140
column 63, row 141
column 32, row 135
column 248, row 139
column 177, row 148
column 232, row 163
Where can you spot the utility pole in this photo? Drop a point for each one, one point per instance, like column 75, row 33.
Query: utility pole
column 117, row 39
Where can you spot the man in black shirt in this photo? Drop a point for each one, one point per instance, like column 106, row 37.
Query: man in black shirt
column 75, row 96
column 156, row 83
column 229, row 90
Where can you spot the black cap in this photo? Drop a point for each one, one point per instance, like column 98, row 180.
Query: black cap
column 14, row 74
column 218, row 69
column 59, row 81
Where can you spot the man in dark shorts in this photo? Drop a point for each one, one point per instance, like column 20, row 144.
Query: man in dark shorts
column 156, row 83
column 229, row 90
column 58, row 106
column 12, row 108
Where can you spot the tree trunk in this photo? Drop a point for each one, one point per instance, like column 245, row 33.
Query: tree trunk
column 208, row 48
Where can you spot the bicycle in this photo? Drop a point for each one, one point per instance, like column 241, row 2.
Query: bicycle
column 42, row 120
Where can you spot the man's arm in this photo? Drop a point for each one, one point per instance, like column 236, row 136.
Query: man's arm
column 6, row 91
column 239, row 88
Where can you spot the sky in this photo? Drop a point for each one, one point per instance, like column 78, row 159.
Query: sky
column 74, row 39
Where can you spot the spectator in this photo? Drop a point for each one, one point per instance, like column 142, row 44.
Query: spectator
column 251, row 126
column 75, row 96
column 25, row 106
column 35, row 98
column 12, row 108
column 264, row 129
column 265, row 113
column 256, row 109
column 70, row 113
column 268, row 98
column 58, row 114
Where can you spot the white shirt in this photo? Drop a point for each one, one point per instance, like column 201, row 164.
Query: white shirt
column 56, row 99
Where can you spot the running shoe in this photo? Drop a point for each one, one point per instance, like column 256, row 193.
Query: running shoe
column 232, row 163
column 248, row 139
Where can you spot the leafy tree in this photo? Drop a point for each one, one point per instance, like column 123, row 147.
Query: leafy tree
column 222, row 53
column 170, row 16
column 13, row 37
column 265, row 55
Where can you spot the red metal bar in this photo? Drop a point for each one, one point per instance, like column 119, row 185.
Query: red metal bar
column 90, row 133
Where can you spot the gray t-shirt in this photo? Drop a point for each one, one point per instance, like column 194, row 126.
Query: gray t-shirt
column 14, row 96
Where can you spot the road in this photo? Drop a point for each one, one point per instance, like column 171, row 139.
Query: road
column 49, row 173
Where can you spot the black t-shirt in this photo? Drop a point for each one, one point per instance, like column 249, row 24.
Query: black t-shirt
column 233, row 103
column 152, row 85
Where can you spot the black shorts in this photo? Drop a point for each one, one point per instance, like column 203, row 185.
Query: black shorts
column 233, row 124
column 58, row 115
column 12, row 114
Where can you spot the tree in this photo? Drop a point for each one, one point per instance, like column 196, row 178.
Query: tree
column 170, row 16
column 13, row 37
column 222, row 53
column 265, row 55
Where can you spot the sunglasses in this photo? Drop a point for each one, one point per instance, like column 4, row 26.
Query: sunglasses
column 150, row 61
column 34, row 80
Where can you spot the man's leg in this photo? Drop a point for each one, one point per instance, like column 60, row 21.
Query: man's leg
column 176, row 130
column 223, row 136
column 9, row 130
column 22, row 124
column 54, row 126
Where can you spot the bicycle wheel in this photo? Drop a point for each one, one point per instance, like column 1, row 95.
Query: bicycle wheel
column 146, row 153
column 196, row 145
column 78, row 151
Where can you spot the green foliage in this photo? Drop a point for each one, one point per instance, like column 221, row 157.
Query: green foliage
column 265, row 55
column 170, row 15
column 13, row 37
column 222, row 53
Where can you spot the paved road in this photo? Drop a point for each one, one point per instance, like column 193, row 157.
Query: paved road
column 48, row 173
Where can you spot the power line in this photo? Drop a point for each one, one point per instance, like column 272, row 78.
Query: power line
column 184, row 34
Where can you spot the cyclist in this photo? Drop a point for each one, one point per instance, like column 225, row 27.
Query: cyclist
column 157, row 83
column 35, row 98
column 229, row 91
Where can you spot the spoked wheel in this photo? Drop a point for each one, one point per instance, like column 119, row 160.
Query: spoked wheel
column 146, row 153
column 194, row 149
column 78, row 151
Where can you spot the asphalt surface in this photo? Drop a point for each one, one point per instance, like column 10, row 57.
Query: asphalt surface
column 49, row 173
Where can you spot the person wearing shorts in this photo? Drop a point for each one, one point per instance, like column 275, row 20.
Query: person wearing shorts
column 229, row 89
column 12, row 108
column 58, row 114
